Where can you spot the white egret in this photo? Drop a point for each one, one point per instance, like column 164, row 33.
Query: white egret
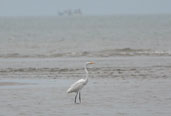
column 78, row 85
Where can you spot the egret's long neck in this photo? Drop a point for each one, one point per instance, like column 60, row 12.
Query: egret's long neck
column 85, row 68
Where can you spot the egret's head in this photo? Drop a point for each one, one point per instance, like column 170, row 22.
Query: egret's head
column 90, row 63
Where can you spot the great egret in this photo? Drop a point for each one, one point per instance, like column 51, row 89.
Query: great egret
column 78, row 85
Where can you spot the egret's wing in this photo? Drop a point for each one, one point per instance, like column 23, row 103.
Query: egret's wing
column 76, row 86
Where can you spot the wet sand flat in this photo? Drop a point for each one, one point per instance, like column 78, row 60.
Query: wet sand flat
column 113, row 96
column 10, row 83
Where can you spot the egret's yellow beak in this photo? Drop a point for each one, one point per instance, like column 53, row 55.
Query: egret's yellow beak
column 92, row 63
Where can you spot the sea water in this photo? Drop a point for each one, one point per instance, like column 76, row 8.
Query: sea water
column 59, row 46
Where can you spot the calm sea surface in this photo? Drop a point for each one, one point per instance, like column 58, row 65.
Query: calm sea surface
column 40, row 57
column 121, row 46
column 88, row 36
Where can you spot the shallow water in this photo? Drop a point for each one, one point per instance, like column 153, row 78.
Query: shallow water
column 116, row 67
column 118, row 97
column 40, row 57
column 117, row 86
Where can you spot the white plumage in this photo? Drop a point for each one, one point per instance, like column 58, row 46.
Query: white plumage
column 78, row 85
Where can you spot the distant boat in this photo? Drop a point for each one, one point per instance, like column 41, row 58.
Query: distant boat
column 70, row 12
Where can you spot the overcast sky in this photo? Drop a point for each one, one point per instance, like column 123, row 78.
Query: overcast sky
column 92, row 7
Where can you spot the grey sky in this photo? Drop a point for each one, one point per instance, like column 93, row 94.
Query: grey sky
column 97, row 7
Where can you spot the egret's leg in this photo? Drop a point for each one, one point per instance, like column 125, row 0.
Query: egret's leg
column 80, row 97
column 76, row 97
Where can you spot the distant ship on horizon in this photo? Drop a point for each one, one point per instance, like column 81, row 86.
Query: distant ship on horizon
column 70, row 12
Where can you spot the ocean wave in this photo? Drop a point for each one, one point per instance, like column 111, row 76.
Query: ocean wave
column 134, row 52
column 102, row 53
column 102, row 72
